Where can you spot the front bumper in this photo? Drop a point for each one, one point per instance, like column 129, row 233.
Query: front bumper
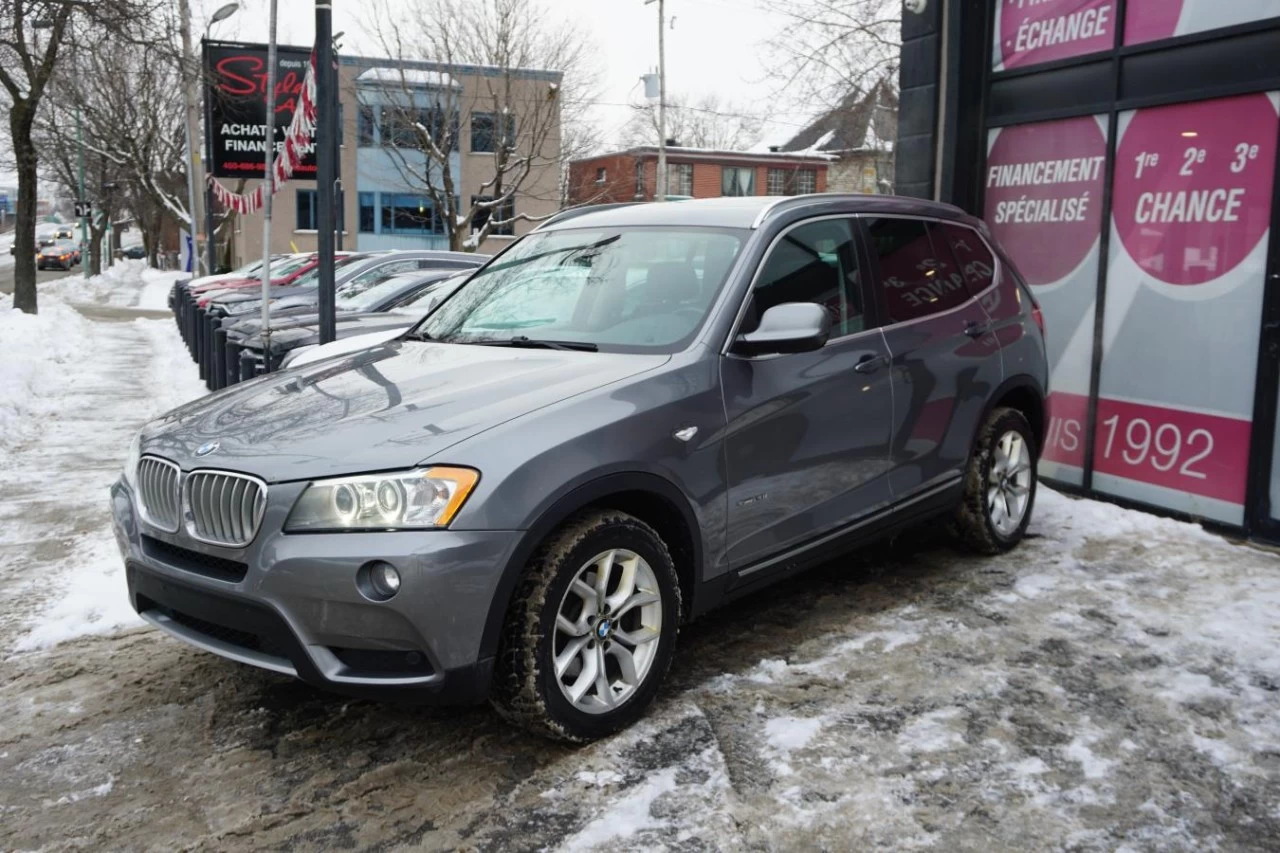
column 290, row 603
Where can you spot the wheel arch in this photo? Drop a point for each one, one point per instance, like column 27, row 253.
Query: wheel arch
column 1024, row 393
column 650, row 497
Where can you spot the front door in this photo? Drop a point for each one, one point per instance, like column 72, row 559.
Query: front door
column 807, row 442
column 946, row 361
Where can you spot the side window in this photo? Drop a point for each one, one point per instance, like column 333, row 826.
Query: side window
column 976, row 261
column 813, row 263
column 917, row 278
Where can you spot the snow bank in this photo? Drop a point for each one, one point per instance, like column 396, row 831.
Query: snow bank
column 36, row 351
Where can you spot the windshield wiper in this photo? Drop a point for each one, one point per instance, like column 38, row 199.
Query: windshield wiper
column 537, row 343
column 417, row 335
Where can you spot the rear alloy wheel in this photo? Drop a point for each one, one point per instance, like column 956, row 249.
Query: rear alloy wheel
column 591, row 631
column 999, row 485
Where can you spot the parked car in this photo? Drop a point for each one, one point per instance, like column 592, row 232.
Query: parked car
column 60, row 255
column 354, row 330
column 134, row 253
column 624, row 420
column 355, row 273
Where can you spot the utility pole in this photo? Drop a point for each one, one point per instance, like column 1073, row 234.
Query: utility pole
column 189, row 103
column 84, row 230
column 268, row 189
column 661, row 185
column 326, row 163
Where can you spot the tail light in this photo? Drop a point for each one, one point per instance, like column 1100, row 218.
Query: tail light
column 1036, row 313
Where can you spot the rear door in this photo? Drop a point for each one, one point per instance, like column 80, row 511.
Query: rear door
column 945, row 359
column 807, row 440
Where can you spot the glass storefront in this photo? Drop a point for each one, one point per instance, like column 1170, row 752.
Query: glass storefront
column 1143, row 225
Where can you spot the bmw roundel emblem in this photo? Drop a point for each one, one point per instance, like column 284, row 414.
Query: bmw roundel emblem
column 207, row 448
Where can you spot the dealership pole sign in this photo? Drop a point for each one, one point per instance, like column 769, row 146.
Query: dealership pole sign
column 295, row 143
column 236, row 99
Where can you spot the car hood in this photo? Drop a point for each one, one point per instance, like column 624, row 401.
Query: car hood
column 250, row 330
column 342, row 346
column 392, row 406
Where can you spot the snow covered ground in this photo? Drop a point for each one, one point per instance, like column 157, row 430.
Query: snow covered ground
column 72, row 392
column 1112, row 684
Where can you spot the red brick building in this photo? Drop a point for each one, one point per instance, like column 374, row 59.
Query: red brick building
column 632, row 175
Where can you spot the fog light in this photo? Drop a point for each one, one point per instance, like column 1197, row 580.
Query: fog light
column 384, row 579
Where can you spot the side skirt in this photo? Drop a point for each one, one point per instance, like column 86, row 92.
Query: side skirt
column 933, row 501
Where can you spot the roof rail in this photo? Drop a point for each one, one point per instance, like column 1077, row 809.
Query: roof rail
column 792, row 202
column 574, row 212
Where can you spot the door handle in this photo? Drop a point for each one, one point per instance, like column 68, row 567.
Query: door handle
column 871, row 363
column 976, row 329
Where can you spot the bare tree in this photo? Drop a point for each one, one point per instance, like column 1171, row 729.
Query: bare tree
column 508, row 67
column 707, row 122
column 33, row 35
column 827, row 49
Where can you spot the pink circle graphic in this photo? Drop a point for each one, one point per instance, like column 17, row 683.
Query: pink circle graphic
column 1192, row 194
column 1151, row 20
column 1044, row 194
column 1034, row 31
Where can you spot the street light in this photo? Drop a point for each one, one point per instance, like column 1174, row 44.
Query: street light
column 222, row 14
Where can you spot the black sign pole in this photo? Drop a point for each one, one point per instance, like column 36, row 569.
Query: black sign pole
column 326, row 163
column 210, row 239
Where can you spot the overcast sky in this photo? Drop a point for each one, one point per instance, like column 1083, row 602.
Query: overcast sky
column 712, row 46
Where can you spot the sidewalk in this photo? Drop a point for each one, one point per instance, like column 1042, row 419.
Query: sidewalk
column 79, row 379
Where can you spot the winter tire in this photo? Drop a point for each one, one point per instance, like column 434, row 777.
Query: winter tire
column 999, row 484
column 591, row 629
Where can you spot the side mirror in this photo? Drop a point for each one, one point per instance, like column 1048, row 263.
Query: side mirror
column 787, row 328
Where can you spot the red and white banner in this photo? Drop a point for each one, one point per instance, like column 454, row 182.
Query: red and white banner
column 288, row 156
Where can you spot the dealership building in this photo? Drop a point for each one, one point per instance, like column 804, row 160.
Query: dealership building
column 383, row 175
column 1125, row 152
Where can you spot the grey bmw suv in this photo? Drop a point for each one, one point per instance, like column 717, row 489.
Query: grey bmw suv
column 629, row 417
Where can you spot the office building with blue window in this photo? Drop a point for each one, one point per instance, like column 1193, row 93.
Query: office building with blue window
column 473, row 114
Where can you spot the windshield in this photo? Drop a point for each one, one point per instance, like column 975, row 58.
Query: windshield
column 364, row 299
column 312, row 278
column 621, row 289
column 434, row 292
column 280, row 269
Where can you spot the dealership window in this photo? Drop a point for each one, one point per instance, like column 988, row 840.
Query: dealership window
column 680, row 179
column 914, row 276
column 737, row 180
column 400, row 127
column 306, row 210
column 367, row 213
column 792, row 181
column 485, row 132
column 365, row 124
column 813, row 263
column 639, row 178
column 505, row 213
column 408, row 214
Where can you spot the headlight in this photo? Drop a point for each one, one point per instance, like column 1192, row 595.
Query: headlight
column 420, row 498
column 131, row 461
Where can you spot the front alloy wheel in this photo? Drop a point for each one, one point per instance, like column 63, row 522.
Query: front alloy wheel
column 591, row 629
column 607, row 631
